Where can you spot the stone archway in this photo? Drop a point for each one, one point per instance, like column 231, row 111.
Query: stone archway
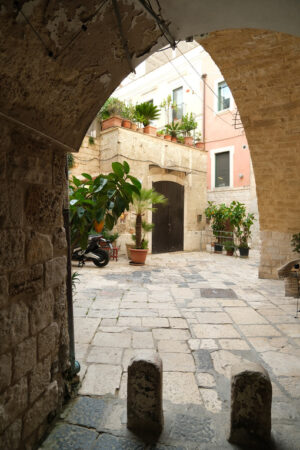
column 53, row 82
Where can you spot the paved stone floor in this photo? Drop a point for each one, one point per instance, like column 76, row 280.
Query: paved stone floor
column 203, row 313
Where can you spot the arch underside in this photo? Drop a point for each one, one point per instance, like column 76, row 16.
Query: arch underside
column 46, row 105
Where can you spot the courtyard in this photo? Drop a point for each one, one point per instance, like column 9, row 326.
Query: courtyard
column 202, row 313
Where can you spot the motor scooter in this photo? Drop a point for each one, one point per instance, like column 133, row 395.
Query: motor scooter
column 93, row 252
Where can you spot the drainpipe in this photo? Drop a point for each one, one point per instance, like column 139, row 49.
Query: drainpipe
column 75, row 366
column 203, row 111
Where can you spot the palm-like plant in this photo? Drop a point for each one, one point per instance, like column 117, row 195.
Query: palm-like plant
column 174, row 129
column 146, row 112
column 142, row 203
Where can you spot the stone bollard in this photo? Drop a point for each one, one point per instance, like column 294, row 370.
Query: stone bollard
column 144, row 395
column 251, row 401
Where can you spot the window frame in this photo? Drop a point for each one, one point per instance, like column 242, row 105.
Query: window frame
column 182, row 104
column 213, row 153
column 216, row 99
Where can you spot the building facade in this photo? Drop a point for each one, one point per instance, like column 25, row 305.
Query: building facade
column 193, row 83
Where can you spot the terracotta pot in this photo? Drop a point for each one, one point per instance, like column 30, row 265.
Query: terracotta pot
column 133, row 126
column 138, row 255
column 150, row 130
column 140, row 130
column 200, row 145
column 188, row 140
column 173, row 139
column 128, row 247
column 126, row 123
column 114, row 121
column 167, row 137
column 229, row 252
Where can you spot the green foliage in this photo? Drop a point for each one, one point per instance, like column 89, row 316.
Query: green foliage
column 243, row 230
column 161, row 132
column 112, row 107
column 295, row 242
column 91, row 140
column 173, row 129
column 145, row 112
column 229, row 245
column 188, row 124
column 167, row 104
column 144, row 201
column 75, row 278
column 227, row 220
column 102, row 198
column 112, row 237
column 198, row 137
column 70, row 157
column 129, row 112
column 218, row 215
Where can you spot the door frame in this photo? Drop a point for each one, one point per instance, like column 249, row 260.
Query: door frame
column 174, row 179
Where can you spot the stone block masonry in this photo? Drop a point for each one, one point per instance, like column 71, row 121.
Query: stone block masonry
column 33, row 330
column 144, row 396
column 251, row 401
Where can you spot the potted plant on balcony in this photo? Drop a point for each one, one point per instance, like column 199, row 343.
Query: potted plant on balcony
column 143, row 202
column 243, row 234
column 111, row 113
column 198, row 141
column 128, row 115
column 147, row 112
column 160, row 134
column 188, row 124
column 173, row 129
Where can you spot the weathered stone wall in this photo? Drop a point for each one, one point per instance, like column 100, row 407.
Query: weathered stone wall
column 33, row 326
column 152, row 159
column 262, row 71
column 88, row 158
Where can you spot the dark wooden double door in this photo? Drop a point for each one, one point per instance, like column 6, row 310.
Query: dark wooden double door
column 168, row 219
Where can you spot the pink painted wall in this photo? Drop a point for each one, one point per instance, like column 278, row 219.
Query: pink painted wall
column 220, row 131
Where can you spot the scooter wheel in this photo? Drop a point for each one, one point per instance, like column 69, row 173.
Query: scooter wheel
column 103, row 258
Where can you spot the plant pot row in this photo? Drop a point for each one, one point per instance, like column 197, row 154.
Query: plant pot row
column 117, row 121
column 244, row 252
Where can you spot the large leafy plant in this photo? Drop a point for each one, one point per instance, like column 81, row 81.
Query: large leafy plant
column 104, row 198
column 146, row 112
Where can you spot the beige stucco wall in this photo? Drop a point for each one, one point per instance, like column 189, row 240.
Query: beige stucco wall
column 152, row 159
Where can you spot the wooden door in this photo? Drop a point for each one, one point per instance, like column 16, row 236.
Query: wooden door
column 167, row 235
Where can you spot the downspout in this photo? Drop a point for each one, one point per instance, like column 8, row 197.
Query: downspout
column 75, row 366
column 204, row 107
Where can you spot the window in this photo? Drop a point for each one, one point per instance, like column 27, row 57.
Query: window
column 222, row 170
column 177, row 112
column 224, row 95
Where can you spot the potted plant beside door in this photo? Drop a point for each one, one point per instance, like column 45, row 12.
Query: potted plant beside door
column 143, row 202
